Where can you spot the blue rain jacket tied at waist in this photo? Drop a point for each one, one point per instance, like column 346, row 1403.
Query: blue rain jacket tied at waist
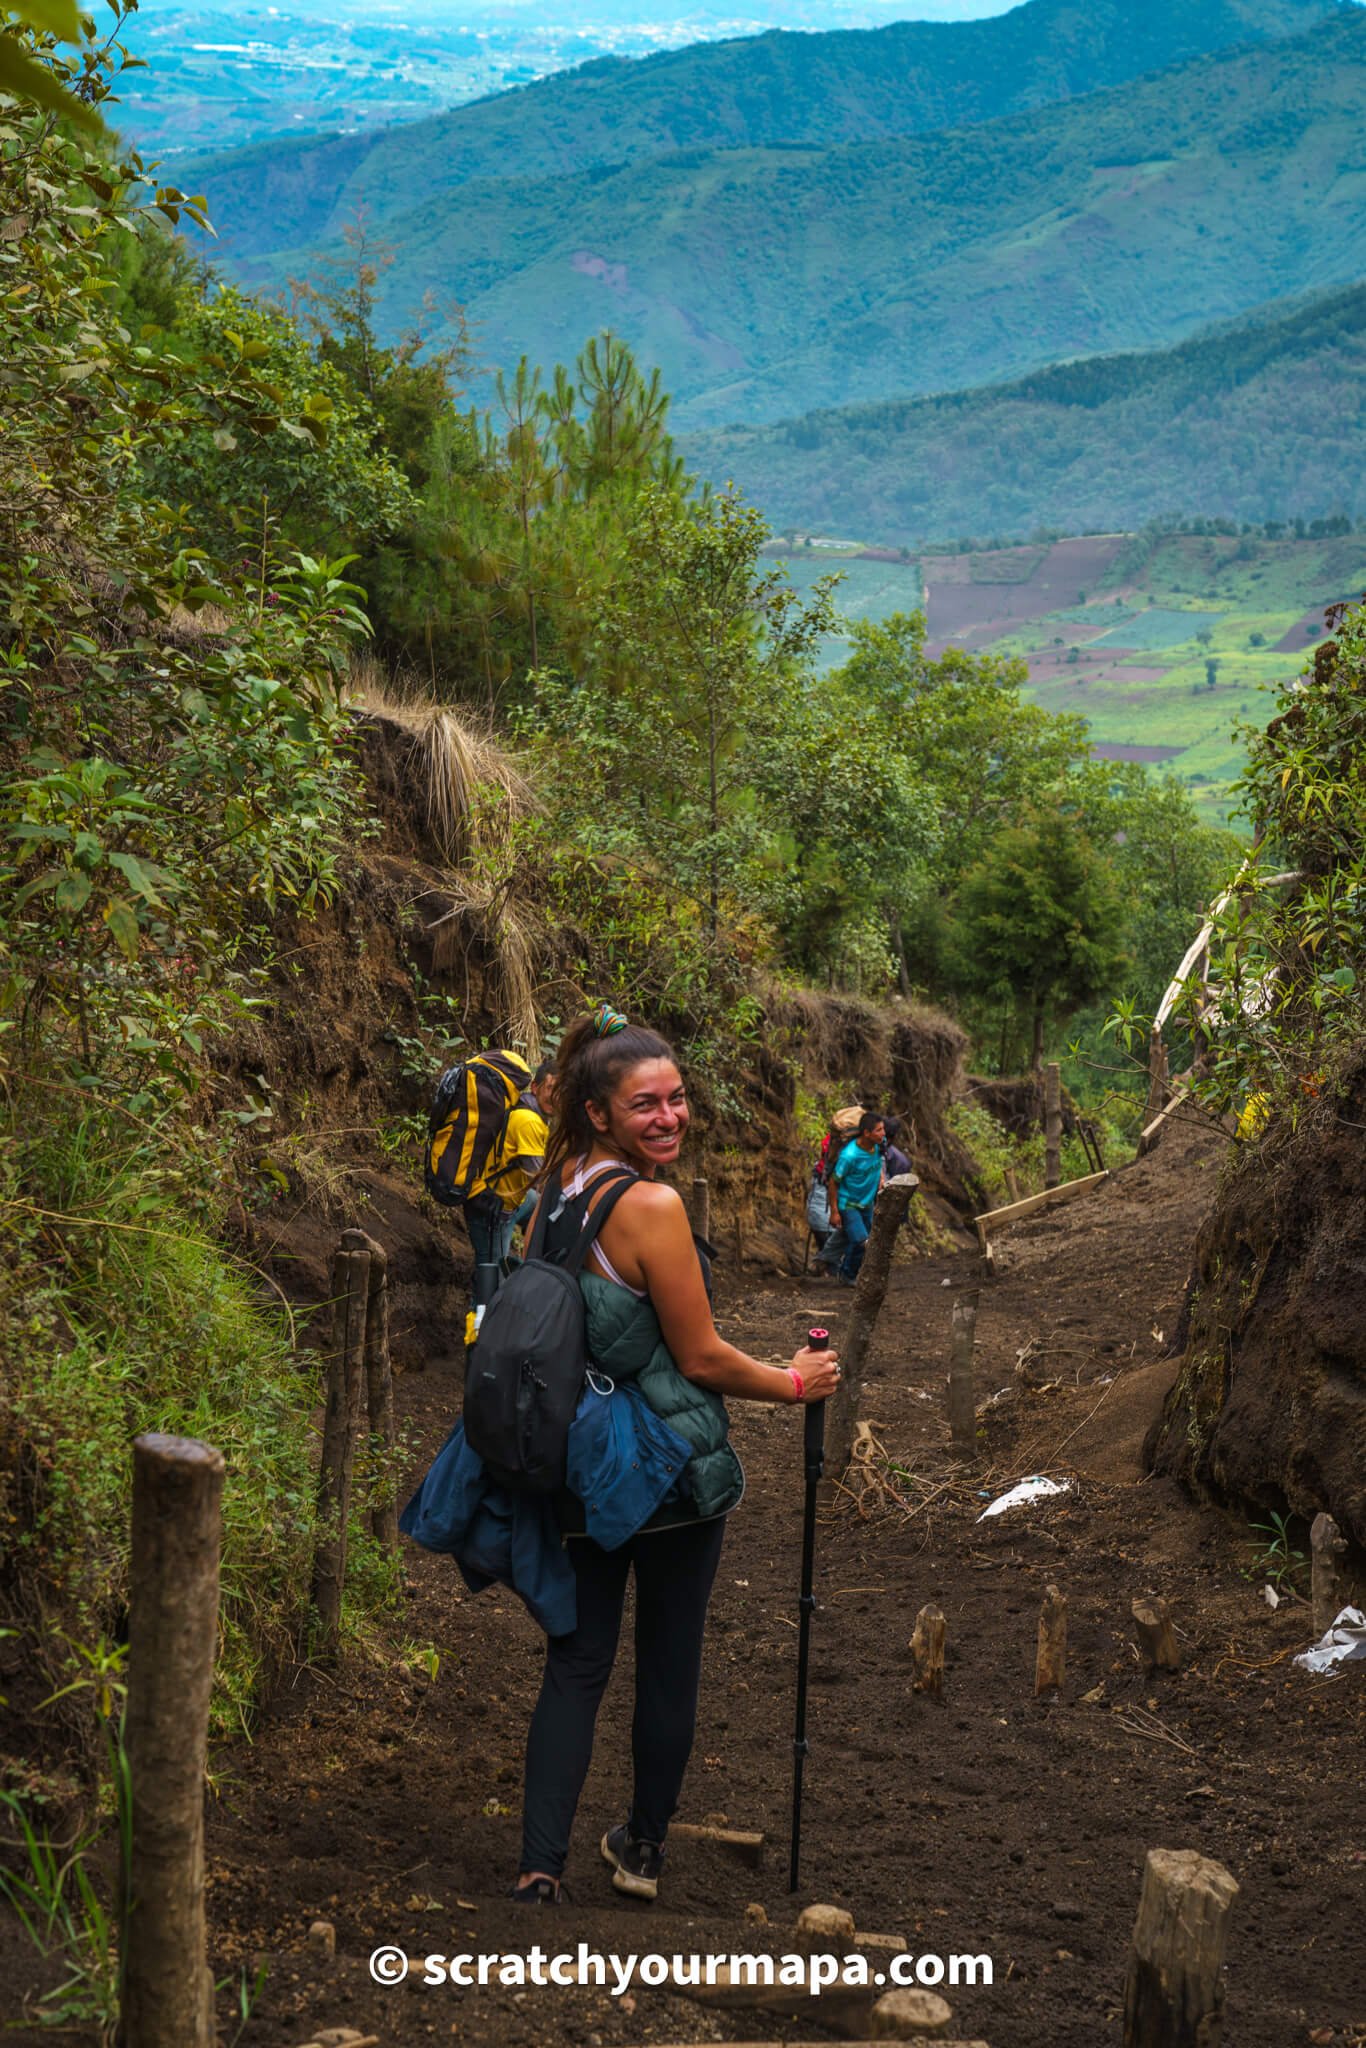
column 623, row 1463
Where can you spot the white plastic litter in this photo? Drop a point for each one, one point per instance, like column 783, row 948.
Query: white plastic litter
column 1344, row 1643
column 1270, row 1595
column 1032, row 1489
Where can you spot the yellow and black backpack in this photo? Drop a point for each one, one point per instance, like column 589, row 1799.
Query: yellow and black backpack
column 469, row 1117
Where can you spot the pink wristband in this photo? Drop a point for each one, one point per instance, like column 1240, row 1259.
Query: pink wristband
column 798, row 1382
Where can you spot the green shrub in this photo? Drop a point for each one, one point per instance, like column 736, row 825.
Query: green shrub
column 997, row 1151
column 120, row 1313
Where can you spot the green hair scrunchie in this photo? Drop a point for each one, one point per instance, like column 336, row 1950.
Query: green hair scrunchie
column 607, row 1021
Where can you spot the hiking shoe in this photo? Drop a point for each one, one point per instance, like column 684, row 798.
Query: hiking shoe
column 542, row 1891
column 635, row 1865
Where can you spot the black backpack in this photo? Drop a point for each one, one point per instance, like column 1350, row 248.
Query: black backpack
column 526, row 1371
column 468, row 1118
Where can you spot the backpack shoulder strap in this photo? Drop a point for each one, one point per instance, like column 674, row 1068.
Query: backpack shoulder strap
column 550, row 1196
column 612, row 1186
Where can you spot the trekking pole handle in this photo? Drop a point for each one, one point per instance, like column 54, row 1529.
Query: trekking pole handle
column 814, row 1435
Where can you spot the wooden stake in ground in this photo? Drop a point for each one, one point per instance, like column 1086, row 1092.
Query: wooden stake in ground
column 1052, row 1124
column 1050, row 1662
column 345, row 1388
column 1326, row 1546
column 1174, row 1996
column 701, row 1208
column 173, row 1635
column 1157, row 1076
column 746, row 1843
column 962, row 1392
column 379, row 1391
column 888, row 1217
column 927, row 1649
column 1156, row 1636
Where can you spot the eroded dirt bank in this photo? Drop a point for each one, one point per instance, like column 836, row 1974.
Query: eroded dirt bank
column 387, row 1804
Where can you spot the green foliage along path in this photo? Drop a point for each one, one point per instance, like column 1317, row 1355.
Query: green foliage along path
column 174, row 779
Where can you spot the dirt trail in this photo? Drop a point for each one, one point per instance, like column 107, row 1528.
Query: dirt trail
column 992, row 1824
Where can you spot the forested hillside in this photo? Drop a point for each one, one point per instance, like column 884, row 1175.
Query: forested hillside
column 887, row 268
column 845, row 86
column 1262, row 418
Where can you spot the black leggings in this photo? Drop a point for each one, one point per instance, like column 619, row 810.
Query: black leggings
column 674, row 1572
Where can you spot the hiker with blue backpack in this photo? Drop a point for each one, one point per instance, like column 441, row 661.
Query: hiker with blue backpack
column 595, row 1405
column 854, row 1184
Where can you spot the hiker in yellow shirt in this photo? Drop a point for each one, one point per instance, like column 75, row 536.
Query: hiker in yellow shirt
column 504, row 1195
column 522, row 1154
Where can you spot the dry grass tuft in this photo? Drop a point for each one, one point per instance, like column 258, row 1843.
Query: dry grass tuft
column 511, row 932
column 472, row 791
column 472, row 795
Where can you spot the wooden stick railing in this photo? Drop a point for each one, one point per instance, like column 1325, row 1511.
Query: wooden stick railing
column 1196, row 959
column 360, row 1403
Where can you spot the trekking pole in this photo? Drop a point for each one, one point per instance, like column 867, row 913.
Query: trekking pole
column 814, row 1444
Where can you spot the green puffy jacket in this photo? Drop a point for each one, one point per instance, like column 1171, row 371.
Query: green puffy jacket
column 625, row 1340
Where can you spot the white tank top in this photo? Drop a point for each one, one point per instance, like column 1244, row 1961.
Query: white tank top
column 574, row 1187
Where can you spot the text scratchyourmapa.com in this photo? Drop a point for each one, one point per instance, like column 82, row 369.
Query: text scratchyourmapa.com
column 567, row 1969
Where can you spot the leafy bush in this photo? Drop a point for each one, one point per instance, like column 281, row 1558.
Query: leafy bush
column 998, row 1152
column 119, row 1313
column 1289, row 940
column 174, row 769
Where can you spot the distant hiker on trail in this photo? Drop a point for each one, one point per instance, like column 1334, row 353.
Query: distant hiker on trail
column 897, row 1162
column 620, row 1102
column 853, row 1186
column 830, row 1240
column 538, row 1101
column 492, row 1211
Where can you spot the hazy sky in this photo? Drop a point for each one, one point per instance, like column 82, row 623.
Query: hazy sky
column 808, row 13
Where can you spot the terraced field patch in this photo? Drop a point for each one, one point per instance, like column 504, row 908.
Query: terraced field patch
column 1159, row 628
column 1107, row 626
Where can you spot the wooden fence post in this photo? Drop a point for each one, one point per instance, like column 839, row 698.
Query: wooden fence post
column 1156, row 1636
column 173, row 1635
column 1052, row 1124
column 962, row 1393
column 927, row 1651
column 888, row 1216
column 1326, row 1545
column 345, row 1388
column 1157, row 1076
column 1174, row 1996
column 379, row 1390
column 701, row 1208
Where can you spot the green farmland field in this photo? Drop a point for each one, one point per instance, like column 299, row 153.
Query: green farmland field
column 1169, row 645
column 1157, row 628
column 867, row 590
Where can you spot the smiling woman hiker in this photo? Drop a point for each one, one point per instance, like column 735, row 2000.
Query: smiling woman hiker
column 620, row 1103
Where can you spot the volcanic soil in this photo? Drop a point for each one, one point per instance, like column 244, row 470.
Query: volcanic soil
column 385, row 1801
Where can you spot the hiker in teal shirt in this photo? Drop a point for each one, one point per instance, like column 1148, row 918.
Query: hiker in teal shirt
column 853, row 1190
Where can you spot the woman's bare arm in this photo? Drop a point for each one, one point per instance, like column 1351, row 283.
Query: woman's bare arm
column 652, row 1247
